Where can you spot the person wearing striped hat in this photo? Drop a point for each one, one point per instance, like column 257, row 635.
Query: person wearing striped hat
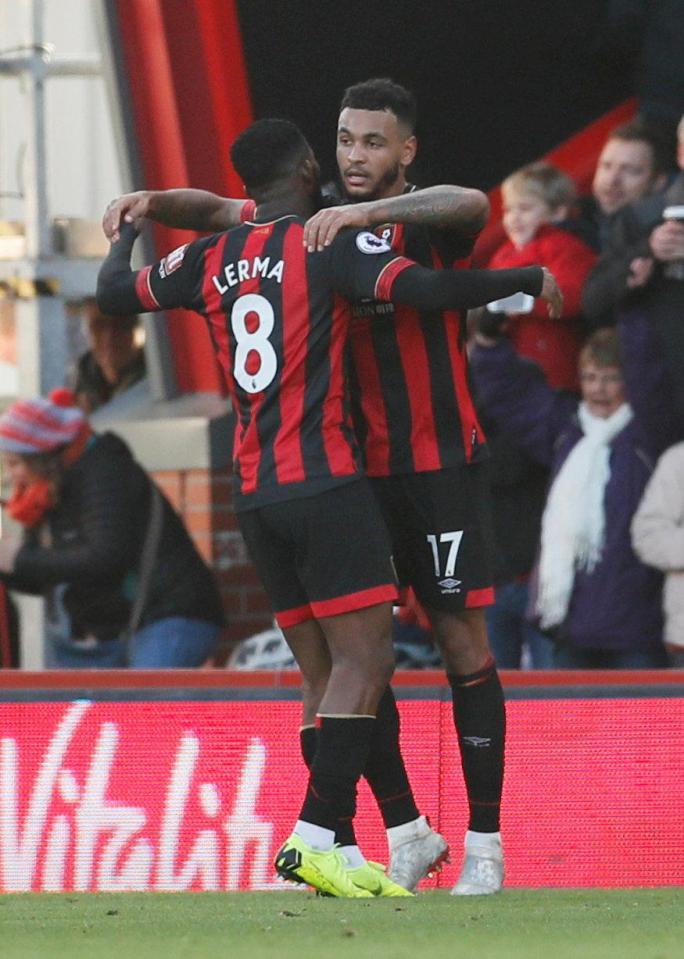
column 36, row 436
column 123, row 582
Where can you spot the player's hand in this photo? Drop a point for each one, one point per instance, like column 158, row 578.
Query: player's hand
column 129, row 208
column 323, row 227
column 551, row 292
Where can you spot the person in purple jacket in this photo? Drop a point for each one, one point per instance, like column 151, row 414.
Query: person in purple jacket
column 599, row 603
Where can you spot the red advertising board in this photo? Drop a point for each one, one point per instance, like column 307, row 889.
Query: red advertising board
column 176, row 795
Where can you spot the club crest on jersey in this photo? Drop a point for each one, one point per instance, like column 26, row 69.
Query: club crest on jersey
column 172, row 261
column 369, row 243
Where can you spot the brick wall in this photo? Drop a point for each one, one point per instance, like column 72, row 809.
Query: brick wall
column 203, row 498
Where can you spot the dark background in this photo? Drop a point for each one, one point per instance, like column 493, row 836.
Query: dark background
column 498, row 83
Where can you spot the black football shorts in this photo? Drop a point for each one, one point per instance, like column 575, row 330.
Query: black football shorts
column 321, row 555
column 442, row 536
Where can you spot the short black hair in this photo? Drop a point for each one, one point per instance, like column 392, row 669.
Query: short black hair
column 381, row 93
column 268, row 150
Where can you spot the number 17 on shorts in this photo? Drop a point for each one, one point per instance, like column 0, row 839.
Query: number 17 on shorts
column 445, row 547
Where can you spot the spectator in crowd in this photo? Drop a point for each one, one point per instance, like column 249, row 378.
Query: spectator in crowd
column 113, row 363
column 658, row 539
column 632, row 164
column 597, row 601
column 643, row 264
column 123, row 582
column 535, row 199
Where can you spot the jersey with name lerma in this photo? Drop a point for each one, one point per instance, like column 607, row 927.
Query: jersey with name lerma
column 279, row 321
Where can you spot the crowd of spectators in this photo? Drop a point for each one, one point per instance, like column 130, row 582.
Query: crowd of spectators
column 123, row 583
column 608, row 524
column 614, row 254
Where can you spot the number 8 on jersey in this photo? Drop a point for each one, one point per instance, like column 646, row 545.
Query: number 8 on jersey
column 255, row 363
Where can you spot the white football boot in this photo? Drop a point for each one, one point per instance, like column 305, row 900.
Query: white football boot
column 483, row 867
column 416, row 851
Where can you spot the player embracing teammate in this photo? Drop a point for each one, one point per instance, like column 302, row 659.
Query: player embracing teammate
column 426, row 457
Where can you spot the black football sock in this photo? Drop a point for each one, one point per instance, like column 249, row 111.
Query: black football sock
column 308, row 744
column 480, row 720
column 342, row 753
column 385, row 770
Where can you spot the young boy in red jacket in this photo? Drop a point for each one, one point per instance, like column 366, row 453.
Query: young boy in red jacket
column 535, row 199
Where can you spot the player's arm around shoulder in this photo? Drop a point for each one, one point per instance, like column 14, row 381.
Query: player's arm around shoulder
column 460, row 209
column 364, row 265
column 185, row 209
column 452, row 208
column 447, row 207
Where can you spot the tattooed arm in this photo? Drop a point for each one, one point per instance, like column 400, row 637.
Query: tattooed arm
column 452, row 208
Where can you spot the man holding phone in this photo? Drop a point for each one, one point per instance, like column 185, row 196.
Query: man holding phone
column 643, row 265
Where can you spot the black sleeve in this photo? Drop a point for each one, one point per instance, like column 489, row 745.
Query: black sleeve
column 116, row 283
column 166, row 284
column 461, row 289
column 23, row 584
column 364, row 267
column 605, row 288
column 109, row 533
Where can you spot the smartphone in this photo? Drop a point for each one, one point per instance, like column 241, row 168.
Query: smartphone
column 674, row 270
column 518, row 303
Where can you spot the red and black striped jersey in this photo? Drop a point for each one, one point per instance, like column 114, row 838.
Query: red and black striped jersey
column 279, row 322
column 412, row 405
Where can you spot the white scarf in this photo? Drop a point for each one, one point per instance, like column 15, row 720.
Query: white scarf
column 573, row 524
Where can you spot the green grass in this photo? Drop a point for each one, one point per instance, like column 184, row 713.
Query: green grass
column 520, row 924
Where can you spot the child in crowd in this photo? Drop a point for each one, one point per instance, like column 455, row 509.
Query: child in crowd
column 535, row 199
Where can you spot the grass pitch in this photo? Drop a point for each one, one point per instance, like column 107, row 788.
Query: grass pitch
column 519, row 924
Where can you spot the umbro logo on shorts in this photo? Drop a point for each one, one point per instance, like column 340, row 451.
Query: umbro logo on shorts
column 450, row 585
